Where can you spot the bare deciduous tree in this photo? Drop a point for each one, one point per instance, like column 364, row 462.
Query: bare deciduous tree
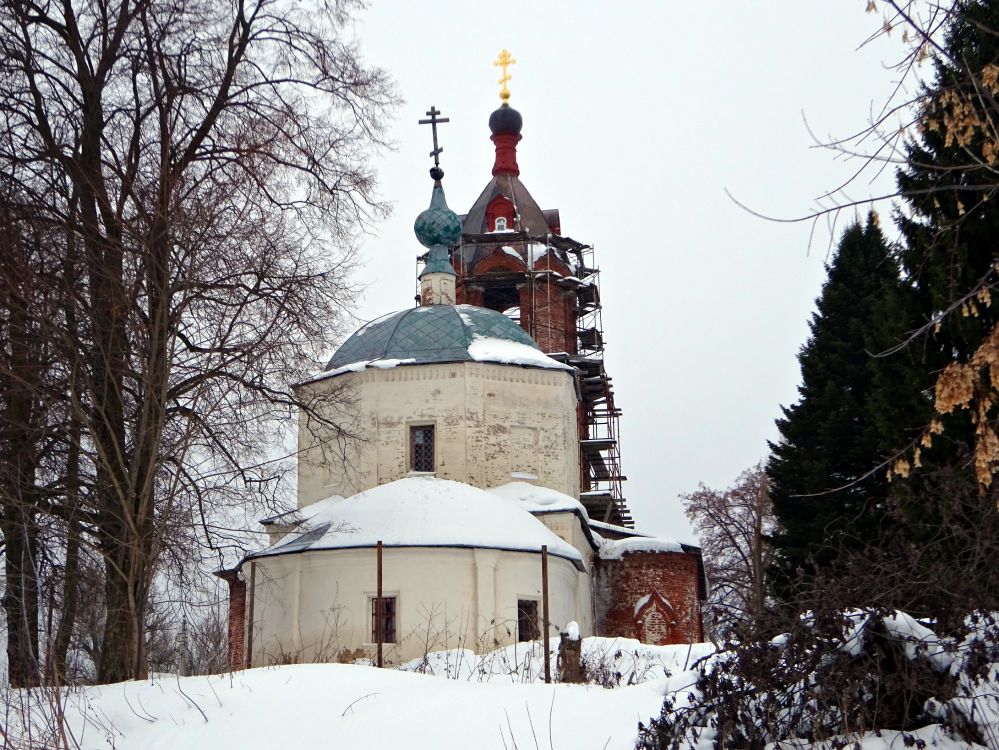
column 734, row 526
column 206, row 166
column 22, row 354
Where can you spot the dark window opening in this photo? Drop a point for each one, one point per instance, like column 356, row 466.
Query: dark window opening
column 388, row 619
column 500, row 297
column 527, row 620
column 421, row 448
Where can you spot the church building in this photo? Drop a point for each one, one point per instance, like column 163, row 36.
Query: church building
column 462, row 462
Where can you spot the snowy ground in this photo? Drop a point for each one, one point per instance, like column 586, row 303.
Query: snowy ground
column 336, row 705
column 459, row 701
column 611, row 662
column 451, row 699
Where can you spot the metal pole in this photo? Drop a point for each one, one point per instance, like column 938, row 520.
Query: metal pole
column 379, row 636
column 544, row 611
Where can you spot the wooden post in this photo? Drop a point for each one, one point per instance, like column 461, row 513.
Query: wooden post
column 379, row 636
column 570, row 664
column 544, row 612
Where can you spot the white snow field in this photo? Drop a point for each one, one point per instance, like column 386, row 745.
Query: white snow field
column 460, row 700
column 349, row 706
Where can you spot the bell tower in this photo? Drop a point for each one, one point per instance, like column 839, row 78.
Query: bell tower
column 512, row 257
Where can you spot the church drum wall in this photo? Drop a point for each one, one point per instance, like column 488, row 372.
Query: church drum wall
column 314, row 606
column 490, row 421
column 627, row 606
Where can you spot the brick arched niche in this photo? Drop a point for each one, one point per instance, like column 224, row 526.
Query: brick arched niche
column 655, row 619
column 502, row 291
column 550, row 262
column 500, row 208
column 499, row 261
column 651, row 596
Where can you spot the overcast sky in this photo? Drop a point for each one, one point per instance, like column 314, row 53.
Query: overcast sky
column 637, row 117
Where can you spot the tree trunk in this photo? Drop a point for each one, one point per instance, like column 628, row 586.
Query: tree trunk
column 126, row 570
column 20, row 599
column 18, row 462
column 121, row 652
column 758, row 590
column 58, row 668
column 132, row 548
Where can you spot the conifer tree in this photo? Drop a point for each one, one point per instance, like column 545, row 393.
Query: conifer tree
column 855, row 409
column 950, row 223
column 949, row 185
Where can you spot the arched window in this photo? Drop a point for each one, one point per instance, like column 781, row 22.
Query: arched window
column 500, row 223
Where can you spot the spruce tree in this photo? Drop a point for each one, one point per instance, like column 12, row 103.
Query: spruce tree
column 950, row 185
column 857, row 406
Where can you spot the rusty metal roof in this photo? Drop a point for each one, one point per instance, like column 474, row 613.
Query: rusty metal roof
column 531, row 218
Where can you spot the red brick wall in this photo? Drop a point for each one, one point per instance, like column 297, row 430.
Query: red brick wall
column 551, row 263
column 547, row 311
column 468, row 294
column 237, row 619
column 664, row 583
column 552, row 319
column 499, row 261
column 499, row 206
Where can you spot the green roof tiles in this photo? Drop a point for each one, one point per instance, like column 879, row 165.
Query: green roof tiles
column 438, row 225
column 438, row 228
column 433, row 333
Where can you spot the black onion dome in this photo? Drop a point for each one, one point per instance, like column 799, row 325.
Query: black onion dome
column 506, row 120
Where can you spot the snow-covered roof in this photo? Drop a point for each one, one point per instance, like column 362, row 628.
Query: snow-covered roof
column 438, row 333
column 536, row 499
column 614, row 549
column 421, row 512
column 502, row 351
column 616, row 529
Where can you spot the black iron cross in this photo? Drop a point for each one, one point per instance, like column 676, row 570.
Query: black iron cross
column 432, row 122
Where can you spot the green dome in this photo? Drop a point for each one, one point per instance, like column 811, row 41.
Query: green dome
column 440, row 333
column 438, row 225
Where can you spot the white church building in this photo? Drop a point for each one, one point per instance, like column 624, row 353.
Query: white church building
column 472, row 455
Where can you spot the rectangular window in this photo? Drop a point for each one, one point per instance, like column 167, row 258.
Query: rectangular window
column 421, row 448
column 527, row 620
column 388, row 619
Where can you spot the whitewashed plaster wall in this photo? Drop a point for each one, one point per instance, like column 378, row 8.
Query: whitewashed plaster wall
column 311, row 606
column 567, row 526
column 491, row 421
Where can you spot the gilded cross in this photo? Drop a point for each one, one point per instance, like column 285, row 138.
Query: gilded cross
column 504, row 60
column 433, row 121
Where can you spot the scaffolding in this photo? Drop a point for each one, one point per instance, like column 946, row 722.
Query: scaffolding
column 601, row 477
column 600, row 471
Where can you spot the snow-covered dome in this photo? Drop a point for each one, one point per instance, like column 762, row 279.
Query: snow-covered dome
column 420, row 512
column 439, row 333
